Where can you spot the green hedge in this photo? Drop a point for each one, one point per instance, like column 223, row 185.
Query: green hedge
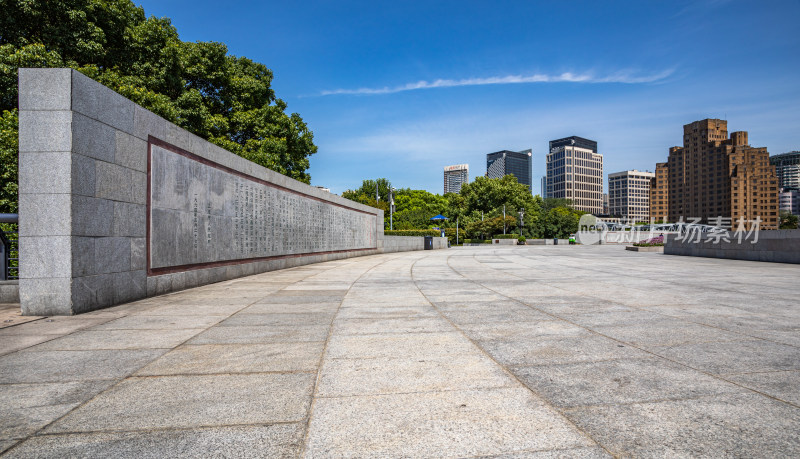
column 505, row 236
column 434, row 233
column 476, row 241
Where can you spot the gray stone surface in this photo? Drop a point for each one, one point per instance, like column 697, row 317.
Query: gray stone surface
column 65, row 366
column 43, row 131
column 215, row 216
column 45, row 90
column 91, row 217
column 45, row 172
column 615, row 382
column 279, row 440
column 745, row 425
column 93, row 138
column 47, row 215
column 238, row 358
column 621, row 356
column 187, row 401
column 101, row 103
column 26, row 408
column 452, row 423
column 119, row 339
column 261, row 334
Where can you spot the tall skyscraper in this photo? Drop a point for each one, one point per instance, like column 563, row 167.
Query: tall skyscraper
column 789, row 200
column 518, row 163
column 659, row 193
column 575, row 172
column 787, row 169
column 454, row 177
column 629, row 195
column 715, row 176
column 544, row 187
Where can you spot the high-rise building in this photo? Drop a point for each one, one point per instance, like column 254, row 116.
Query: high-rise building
column 454, row 177
column 789, row 200
column 605, row 204
column 787, row 169
column 518, row 163
column 575, row 172
column 629, row 195
column 659, row 193
column 715, row 176
column 544, row 187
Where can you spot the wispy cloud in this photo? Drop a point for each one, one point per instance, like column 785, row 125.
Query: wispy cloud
column 624, row 77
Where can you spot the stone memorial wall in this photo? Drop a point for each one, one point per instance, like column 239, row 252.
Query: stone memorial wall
column 117, row 204
column 201, row 213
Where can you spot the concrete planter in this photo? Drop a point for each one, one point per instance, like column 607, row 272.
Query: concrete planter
column 656, row 249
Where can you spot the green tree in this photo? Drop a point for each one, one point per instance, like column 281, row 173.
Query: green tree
column 368, row 188
column 558, row 219
column 485, row 197
column 225, row 99
column 485, row 229
column 8, row 161
column 788, row 220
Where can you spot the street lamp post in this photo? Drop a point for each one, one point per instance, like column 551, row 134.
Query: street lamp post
column 391, row 207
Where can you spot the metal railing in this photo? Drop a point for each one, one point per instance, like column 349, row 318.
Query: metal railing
column 9, row 246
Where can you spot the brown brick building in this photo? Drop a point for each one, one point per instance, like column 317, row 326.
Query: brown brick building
column 659, row 193
column 714, row 175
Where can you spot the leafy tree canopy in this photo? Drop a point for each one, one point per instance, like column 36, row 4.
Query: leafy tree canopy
column 198, row 86
column 477, row 208
column 788, row 220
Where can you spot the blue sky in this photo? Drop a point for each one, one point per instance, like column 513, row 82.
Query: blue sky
column 402, row 89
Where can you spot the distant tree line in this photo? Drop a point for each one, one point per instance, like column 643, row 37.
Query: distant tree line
column 225, row 99
column 477, row 208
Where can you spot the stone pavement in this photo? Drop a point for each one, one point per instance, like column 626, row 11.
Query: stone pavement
column 532, row 352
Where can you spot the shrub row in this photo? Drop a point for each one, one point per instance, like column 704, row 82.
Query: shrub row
column 505, row 236
column 434, row 233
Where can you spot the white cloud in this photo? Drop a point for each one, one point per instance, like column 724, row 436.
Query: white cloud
column 624, row 77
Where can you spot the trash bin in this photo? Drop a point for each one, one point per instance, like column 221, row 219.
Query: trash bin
column 428, row 242
column 555, row 241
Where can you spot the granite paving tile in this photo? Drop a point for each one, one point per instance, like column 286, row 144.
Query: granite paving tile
column 65, row 366
column 398, row 325
column 783, row 385
column 237, row 358
column 279, row 440
column 266, row 320
column 554, row 349
column 380, row 375
column 613, row 382
column 454, row 423
column 118, row 339
column 734, row 357
column 160, row 322
column 26, row 408
column 261, row 334
column 189, row 401
column 418, row 345
column 736, row 425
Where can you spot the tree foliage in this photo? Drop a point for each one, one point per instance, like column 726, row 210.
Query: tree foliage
column 788, row 220
column 8, row 161
column 477, row 209
column 225, row 99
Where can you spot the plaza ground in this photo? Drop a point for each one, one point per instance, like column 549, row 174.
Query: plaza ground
column 543, row 351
